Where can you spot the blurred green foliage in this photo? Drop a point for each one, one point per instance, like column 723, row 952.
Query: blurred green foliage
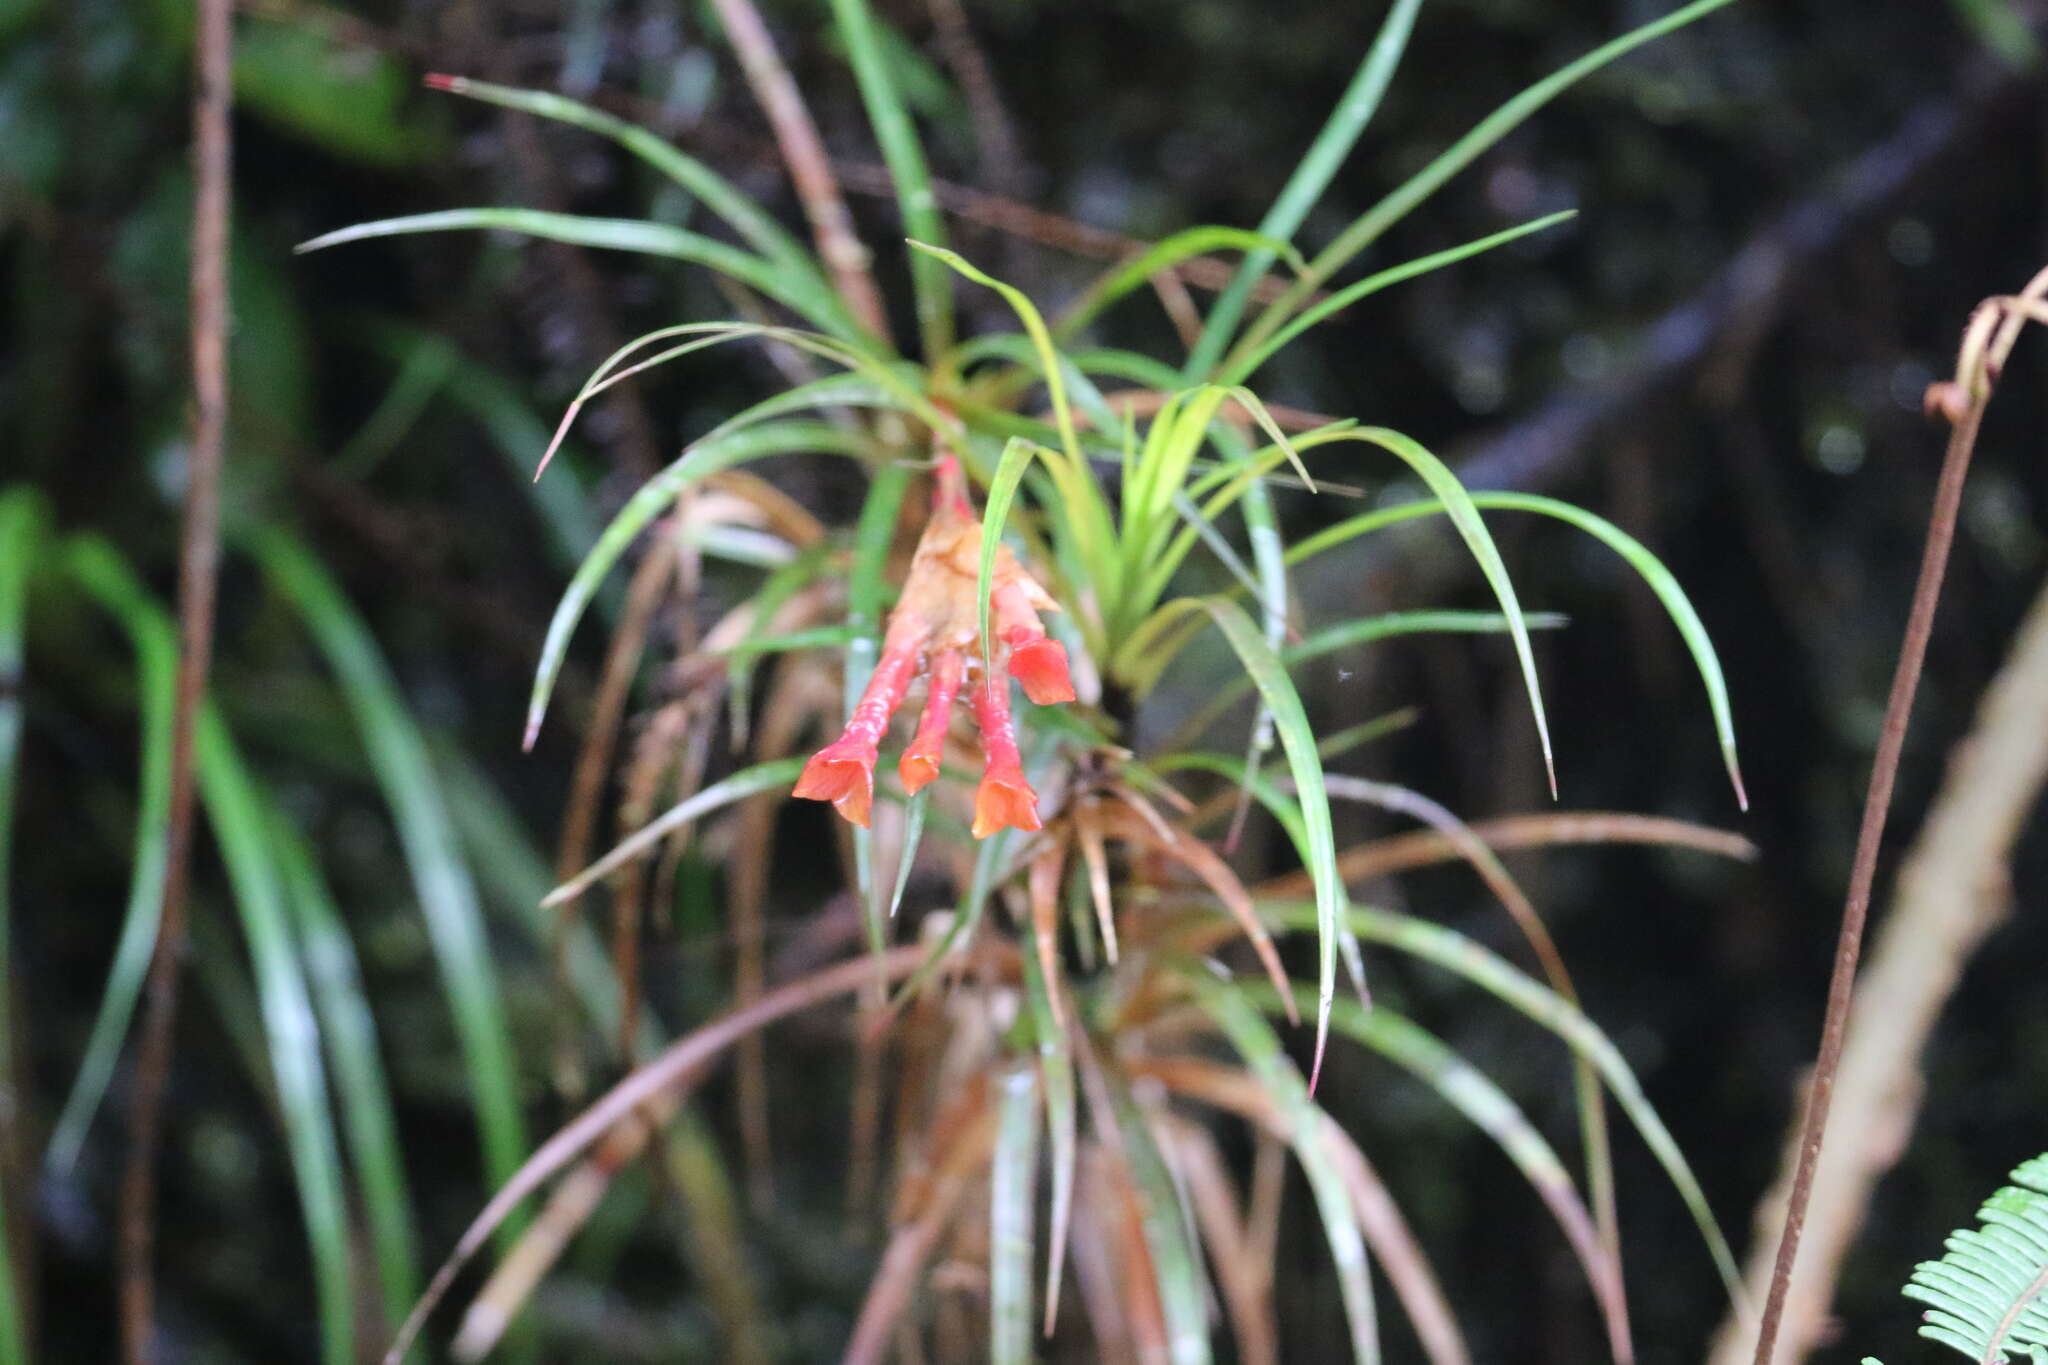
column 386, row 404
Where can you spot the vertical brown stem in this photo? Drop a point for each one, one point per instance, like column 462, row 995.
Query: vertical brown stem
column 803, row 152
column 198, row 561
column 1876, row 806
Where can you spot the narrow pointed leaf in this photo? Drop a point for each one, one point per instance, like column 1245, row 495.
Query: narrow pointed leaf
column 441, row 877
column 97, row 567
column 1256, row 1043
column 1013, row 1182
column 1311, row 176
column 1299, row 741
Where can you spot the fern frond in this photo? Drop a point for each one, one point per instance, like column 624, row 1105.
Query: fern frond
column 1986, row 1293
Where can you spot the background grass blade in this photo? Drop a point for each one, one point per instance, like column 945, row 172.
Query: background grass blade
column 97, row 567
column 1312, row 175
column 1013, row 1183
column 21, row 536
column 362, row 1093
column 905, row 158
column 398, row 756
column 236, row 808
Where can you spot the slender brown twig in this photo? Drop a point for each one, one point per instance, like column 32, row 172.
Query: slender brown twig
column 1953, row 888
column 803, row 152
column 1990, row 337
column 198, row 561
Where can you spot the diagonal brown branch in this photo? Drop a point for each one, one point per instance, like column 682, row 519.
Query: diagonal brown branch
column 198, row 563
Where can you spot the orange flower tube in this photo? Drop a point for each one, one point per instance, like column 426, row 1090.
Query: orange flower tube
column 1004, row 798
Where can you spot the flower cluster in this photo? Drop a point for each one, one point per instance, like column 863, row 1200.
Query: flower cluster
column 935, row 634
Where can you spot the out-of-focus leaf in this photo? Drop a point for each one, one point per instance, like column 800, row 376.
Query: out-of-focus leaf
column 98, row 567
column 21, row 534
column 347, row 100
column 1013, row 1180
column 447, row 893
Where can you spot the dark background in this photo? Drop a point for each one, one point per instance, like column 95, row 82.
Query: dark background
column 1786, row 214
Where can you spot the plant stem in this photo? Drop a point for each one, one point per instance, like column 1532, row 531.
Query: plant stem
column 803, row 152
column 198, row 563
column 1863, row 873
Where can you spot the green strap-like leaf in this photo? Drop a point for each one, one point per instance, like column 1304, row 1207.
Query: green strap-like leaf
column 1473, row 1093
column 1311, row 176
column 1244, row 366
column 653, row 499
column 1056, row 1069
column 718, row 194
column 1306, row 765
column 800, row 295
column 21, row 535
column 1016, row 458
column 1255, row 1042
column 1013, row 1181
column 1167, row 253
column 1464, row 514
column 1654, row 574
column 1486, row 969
column 897, row 136
column 1365, row 630
column 441, row 877
column 97, row 567
column 1176, row 1264
column 761, row 777
column 361, row 1091
column 1368, row 226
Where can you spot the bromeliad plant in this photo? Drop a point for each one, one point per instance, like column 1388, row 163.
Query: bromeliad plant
column 1104, row 473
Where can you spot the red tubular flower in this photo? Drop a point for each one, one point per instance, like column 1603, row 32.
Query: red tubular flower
column 843, row 772
column 936, row 629
column 1036, row 660
column 1004, row 798
column 920, row 762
